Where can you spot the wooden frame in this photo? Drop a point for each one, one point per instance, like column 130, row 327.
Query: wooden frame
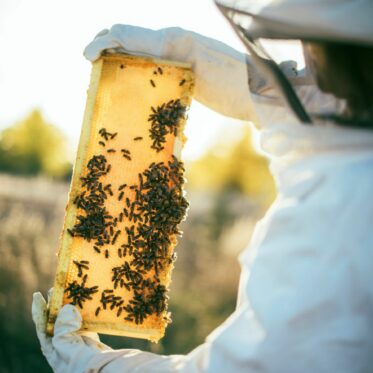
column 106, row 69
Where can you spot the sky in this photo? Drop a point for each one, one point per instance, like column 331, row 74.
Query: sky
column 42, row 64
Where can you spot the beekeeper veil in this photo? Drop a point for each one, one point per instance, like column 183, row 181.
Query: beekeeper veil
column 264, row 25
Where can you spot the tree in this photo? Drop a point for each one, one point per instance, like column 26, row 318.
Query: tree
column 234, row 166
column 33, row 146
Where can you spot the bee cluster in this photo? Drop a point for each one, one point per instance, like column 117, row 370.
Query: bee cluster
column 146, row 226
column 164, row 120
column 79, row 292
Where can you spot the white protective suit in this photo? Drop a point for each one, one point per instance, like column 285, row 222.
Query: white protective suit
column 305, row 300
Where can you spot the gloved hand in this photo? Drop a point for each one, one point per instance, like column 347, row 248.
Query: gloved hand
column 73, row 351
column 220, row 71
column 69, row 350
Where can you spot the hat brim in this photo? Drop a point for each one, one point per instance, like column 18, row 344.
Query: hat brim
column 308, row 21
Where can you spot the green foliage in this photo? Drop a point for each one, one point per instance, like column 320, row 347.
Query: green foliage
column 234, row 166
column 32, row 147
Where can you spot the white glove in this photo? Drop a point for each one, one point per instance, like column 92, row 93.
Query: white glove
column 74, row 351
column 69, row 350
column 220, row 71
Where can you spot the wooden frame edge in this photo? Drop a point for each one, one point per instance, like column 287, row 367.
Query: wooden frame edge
column 65, row 239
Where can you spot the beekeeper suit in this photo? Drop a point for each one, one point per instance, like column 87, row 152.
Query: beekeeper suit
column 305, row 301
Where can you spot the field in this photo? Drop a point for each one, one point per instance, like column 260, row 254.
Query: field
column 204, row 283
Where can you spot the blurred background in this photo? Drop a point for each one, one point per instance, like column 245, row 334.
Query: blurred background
column 43, row 83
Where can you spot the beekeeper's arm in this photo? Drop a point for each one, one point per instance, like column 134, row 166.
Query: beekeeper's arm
column 221, row 71
column 227, row 81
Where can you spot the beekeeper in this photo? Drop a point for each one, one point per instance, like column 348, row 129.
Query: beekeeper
column 305, row 300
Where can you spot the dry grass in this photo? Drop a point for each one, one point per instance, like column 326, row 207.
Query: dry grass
column 31, row 214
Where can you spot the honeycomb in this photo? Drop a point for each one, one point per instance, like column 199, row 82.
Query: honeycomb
column 126, row 198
